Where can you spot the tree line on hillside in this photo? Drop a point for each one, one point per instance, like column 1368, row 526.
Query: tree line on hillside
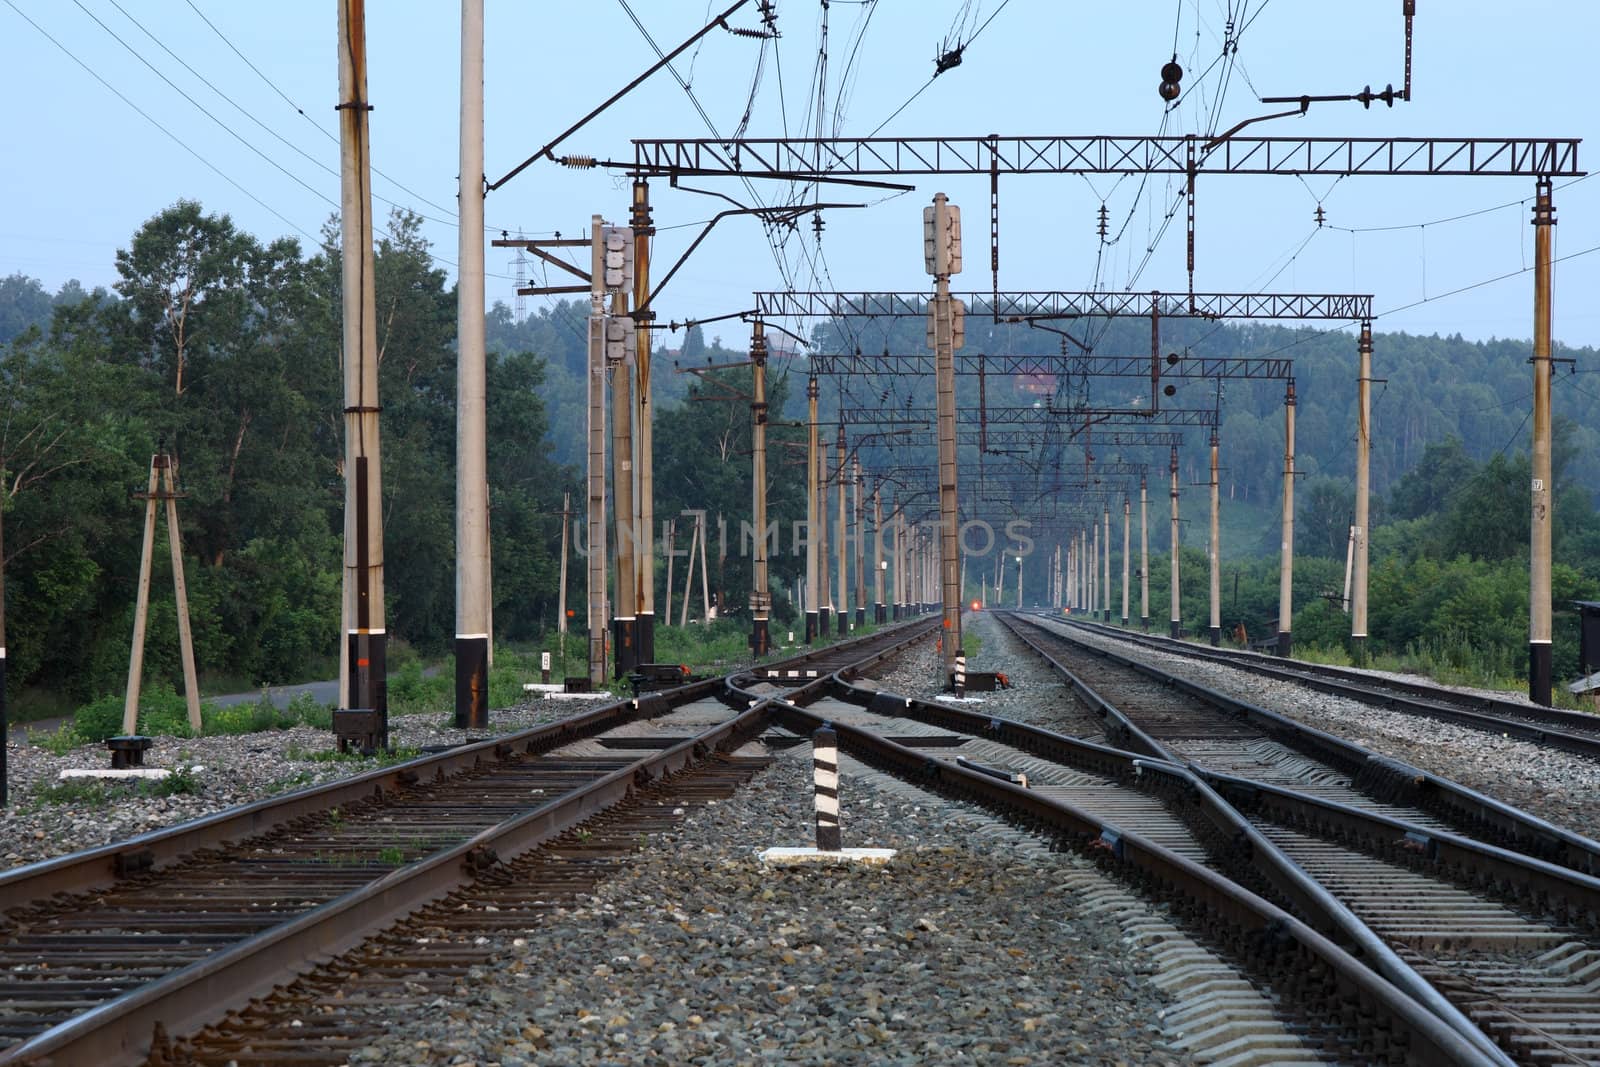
column 227, row 350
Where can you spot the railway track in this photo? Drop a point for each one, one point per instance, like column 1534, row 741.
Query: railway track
column 1339, row 987
column 1570, row 731
column 169, row 929
column 1511, row 941
column 1163, row 715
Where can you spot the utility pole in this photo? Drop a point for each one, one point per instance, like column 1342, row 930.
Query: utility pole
column 824, row 587
column 561, row 602
column 1359, row 532
column 1144, row 555
column 941, row 228
column 362, row 718
column 1105, row 601
column 162, row 488
column 1127, row 532
column 644, row 430
column 1286, row 567
column 1177, row 611
column 879, row 611
column 760, row 597
column 861, row 542
column 473, row 597
column 596, row 470
column 1212, row 551
column 625, row 649
column 1539, row 607
column 813, row 616
column 844, row 543
column 898, row 519
column 1094, row 567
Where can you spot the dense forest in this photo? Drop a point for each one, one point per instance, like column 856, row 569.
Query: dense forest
column 225, row 351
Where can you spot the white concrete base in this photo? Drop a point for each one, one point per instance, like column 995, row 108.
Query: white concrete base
column 542, row 687
column 579, row 696
column 126, row 772
column 944, row 698
column 798, row 857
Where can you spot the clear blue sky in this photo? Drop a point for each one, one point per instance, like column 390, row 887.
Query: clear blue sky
column 83, row 169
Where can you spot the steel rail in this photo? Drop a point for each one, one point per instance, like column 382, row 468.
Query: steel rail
column 102, row 866
column 1421, row 788
column 1217, row 797
column 119, row 1030
column 1549, row 726
column 1276, row 933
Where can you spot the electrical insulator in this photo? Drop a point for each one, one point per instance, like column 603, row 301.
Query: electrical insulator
column 1105, row 222
column 817, row 224
column 1171, row 75
column 1321, row 216
column 619, row 339
column 616, row 244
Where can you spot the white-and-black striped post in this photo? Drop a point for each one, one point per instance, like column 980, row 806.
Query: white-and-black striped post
column 825, row 773
column 958, row 680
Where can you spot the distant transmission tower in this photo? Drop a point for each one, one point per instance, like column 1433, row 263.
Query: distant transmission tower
column 519, row 269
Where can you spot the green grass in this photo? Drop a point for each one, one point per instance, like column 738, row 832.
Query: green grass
column 162, row 712
column 99, row 792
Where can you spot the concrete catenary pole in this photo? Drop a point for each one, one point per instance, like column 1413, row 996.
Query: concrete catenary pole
column 943, row 245
column 1105, row 599
column 1144, row 554
column 644, row 428
column 1359, row 531
column 1177, row 607
column 1096, row 594
column 1286, row 567
column 844, row 539
column 879, row 611
column 860, row 541
column 624, row 647
column 364, row 693
column 1539, row 605
column 472, row 456
column 897, row 558
column 1127, row 537
column 760, row 595
column 595, row 472
column 811, row 509
column 824, row 586
column 561, row 601
column 1213, row 550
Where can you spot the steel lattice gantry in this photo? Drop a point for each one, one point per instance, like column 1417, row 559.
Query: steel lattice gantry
column 1023, row 306
column 974, row 364
column 849, row 157
column 922, row 417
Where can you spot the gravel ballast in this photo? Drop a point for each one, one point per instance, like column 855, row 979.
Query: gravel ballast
column 965, row 948
column 46, row 819
column 1557, row 786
